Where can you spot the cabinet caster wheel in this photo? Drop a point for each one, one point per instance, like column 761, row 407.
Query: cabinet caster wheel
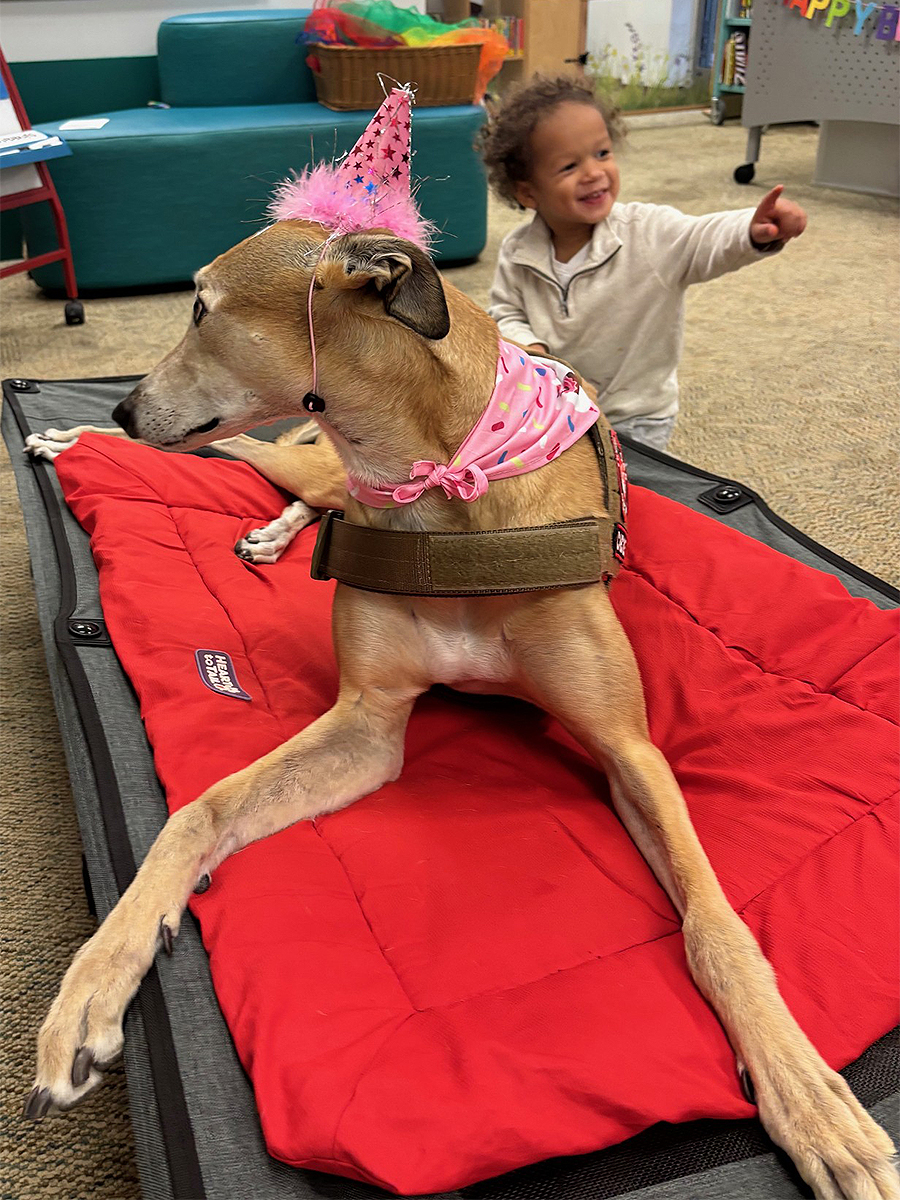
column 74, row 312
column 744, row 173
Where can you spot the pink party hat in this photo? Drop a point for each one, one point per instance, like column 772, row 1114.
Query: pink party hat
column 370, row 189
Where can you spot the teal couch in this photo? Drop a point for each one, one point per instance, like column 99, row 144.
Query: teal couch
column 158, row 192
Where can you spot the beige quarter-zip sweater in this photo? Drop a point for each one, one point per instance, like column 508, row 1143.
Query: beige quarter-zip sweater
column 620, row 319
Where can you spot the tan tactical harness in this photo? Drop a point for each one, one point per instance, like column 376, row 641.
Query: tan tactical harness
column 480, row 563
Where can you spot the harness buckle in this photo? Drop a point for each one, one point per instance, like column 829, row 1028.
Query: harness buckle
column 320, row 552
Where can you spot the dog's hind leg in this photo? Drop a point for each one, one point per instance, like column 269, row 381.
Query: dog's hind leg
column 589, row 680
column 347, row 753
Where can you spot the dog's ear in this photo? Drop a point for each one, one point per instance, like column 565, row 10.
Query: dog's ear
column 400, row 271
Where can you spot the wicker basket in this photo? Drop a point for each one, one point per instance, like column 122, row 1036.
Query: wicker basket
column 347, row 76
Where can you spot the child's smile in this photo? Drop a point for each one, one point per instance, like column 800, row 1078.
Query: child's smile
column 596, row 198
column 574, row 178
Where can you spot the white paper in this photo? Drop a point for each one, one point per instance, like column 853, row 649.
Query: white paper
column 26, row 137
column 86, row 123
column 44, row 144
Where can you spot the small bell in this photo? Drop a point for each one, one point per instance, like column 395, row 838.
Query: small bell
column 313, row 403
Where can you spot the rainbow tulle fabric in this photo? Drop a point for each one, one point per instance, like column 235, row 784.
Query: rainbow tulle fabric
column 374, row 23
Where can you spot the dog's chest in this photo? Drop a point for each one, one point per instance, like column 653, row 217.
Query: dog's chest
column 457, row 654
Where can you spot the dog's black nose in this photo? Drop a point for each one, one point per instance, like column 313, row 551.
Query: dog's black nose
column 123, row 414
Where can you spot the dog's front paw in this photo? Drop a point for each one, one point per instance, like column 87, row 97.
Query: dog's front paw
column 82, row 1034
column 256, row 549
column 268, row 543
column 51, row 443
column 810, row 1112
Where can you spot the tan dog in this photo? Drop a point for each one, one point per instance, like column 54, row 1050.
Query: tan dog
column 399, row 387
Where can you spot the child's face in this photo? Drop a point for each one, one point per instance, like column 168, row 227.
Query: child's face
column 574, row 179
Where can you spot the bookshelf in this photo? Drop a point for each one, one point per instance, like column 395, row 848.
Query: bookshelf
column 551, row 34
column 732, row 54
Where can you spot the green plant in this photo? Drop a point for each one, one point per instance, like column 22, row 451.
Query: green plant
column 640, row 79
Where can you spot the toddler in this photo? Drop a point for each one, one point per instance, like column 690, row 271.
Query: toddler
column 598, row 283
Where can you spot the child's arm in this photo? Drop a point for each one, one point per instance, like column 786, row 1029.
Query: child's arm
column 685, row 250
column 507, row 305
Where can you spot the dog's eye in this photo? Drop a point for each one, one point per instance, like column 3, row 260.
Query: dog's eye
column 199, row 310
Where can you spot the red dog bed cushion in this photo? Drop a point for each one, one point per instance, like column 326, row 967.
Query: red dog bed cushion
column 473, row 969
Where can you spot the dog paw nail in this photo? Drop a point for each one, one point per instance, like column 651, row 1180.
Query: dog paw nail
column 747, row 1086
column 81, row 1067
column 37, row 1104
column 203, row 885
column 166, row 934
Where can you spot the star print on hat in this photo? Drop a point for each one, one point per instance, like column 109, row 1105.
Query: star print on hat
column 370, row 188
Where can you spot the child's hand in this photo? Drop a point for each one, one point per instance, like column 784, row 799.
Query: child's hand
column 776, row 219
column 536, row 348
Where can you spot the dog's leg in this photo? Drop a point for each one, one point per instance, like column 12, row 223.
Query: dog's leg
column 312, row 472
column 268, row 543
column 301, row 435
column 589, row 680
column 347, row 753
column 52, row 442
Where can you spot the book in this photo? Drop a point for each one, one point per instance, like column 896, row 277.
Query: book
column 740, row 57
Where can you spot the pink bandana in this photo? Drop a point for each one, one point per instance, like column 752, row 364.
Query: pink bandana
column 536, row 411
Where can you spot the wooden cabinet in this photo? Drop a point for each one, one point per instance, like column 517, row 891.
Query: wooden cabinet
column 555, row 30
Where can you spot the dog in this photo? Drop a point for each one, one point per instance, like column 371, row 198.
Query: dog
column 406, row 364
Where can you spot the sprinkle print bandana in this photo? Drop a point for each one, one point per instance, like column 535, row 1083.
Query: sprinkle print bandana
column 536, row 411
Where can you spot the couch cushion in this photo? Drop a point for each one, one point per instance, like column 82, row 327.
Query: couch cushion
column 239, row 57
column 157, row 193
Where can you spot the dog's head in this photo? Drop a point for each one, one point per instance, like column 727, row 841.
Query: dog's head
column 246, row 358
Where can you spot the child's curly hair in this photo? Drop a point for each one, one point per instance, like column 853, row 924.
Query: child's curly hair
column 505, row 141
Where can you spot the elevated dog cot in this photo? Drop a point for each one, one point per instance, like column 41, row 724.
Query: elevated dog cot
column 195, row 1119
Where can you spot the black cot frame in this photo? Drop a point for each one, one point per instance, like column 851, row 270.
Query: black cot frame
column 195, row 1125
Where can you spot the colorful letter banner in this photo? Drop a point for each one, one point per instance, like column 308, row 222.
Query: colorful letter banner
column 884, row 18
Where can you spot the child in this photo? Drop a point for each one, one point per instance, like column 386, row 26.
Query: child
column 598, row 283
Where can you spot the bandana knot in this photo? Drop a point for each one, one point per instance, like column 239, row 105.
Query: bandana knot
column 536, row 411
column 465, row 483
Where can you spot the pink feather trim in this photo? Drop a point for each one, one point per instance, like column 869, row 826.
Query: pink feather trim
column 319, row 194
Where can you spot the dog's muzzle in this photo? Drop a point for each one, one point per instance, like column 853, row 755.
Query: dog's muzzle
column 124, row 414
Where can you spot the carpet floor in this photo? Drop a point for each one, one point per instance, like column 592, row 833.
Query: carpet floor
column 789, row 383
